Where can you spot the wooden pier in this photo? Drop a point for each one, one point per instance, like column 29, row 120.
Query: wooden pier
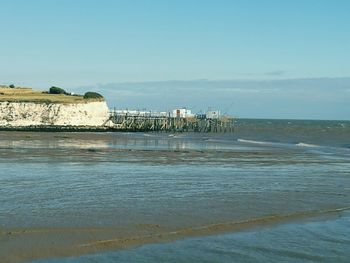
column 126, row 122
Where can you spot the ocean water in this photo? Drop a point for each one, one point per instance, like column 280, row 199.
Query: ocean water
column 61, row 191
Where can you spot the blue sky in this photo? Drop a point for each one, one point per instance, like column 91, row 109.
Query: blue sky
column 94, row 44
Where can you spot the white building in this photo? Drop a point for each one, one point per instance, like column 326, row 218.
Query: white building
column 182, row 113
column 132, row 112
column 215, row 114
column 138, row 113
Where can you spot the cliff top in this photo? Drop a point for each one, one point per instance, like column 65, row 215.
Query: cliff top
column 20, row 94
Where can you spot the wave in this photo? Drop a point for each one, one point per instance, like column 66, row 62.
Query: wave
column 252, row 141
column 267, row 143
column 219, row 140
column 302, row 144
column 299, row 144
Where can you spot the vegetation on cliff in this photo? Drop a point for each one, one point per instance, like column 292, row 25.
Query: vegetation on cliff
column 54, row 95
column 57, row 90
column 92, row 95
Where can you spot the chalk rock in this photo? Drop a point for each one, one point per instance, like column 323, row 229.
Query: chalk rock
column 21, row 114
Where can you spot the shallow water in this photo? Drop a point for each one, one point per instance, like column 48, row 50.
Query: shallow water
column 134, row 184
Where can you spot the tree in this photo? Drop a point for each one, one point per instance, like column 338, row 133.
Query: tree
column 92, row 95
column 12, row 86
column 57, row 90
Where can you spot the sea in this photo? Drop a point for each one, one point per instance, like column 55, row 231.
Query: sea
column 272, row 191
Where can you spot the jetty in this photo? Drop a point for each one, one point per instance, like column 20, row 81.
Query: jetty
column 166, row 122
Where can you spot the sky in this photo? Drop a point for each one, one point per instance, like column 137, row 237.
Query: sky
column 129, row 49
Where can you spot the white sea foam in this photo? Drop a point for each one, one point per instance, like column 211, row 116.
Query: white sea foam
column 252, row 141
column 301, row 144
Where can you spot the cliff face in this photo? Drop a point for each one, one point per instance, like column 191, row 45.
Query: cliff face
column 21, row 114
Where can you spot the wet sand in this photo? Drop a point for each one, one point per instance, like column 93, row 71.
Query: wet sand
column 21, row 245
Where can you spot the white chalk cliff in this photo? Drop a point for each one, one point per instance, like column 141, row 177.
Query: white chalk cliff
column 21, row 114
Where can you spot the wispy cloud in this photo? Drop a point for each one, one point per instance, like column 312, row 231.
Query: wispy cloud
column 247, row 90
column 275, row 73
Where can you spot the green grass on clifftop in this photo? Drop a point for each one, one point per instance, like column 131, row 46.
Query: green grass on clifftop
column 8, row 94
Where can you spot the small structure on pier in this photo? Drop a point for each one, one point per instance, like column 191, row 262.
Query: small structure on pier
column 214, row 114
column 175, row 121
column 182, row 113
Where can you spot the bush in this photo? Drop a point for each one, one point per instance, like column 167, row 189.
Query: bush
column 92, row 95
column 12, row 86
column 57, row 90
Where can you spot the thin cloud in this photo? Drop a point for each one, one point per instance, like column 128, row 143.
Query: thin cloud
column 247, row 90
column 275, row 73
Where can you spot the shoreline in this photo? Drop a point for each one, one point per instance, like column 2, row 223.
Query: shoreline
column 57, row 128
column 23, row 244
